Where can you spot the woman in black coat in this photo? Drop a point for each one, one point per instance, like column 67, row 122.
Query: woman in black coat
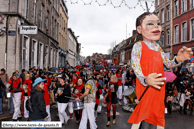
column 39, row 108
column 110, row 98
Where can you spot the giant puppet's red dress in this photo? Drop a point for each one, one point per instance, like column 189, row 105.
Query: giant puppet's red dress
column 151, row 107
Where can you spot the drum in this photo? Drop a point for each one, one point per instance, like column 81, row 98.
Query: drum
column 78, row 105
column 129, row 94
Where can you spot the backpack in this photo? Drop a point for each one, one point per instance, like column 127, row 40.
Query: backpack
column 29, row 105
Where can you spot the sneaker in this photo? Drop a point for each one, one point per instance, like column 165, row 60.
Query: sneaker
column 120, row 103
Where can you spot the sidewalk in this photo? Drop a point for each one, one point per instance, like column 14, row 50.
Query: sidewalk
column 6, row 112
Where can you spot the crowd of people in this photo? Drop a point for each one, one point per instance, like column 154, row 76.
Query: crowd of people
column 84, row 87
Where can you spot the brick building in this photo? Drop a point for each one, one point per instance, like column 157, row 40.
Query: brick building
column 183, row 26
column 163, row 11
column 22, row 51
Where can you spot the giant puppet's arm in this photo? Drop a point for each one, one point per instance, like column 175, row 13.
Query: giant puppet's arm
column 168, row 63
column 135, row 62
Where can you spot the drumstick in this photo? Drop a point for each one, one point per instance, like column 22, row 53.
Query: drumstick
column 69, row 97
column 142, row 95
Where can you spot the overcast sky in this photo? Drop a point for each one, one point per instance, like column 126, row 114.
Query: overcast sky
column 99, row 26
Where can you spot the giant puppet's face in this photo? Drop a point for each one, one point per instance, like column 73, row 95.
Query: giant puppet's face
column 150, row 28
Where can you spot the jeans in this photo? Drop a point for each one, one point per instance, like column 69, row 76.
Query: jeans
column 3, row 92
column 1, row 111
column 38, row 120
column 11, row 104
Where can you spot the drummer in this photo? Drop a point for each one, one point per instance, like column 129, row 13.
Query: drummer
column 77, row 92
column 62, row 91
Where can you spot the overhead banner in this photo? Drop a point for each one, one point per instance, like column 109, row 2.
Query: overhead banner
column 28, row 29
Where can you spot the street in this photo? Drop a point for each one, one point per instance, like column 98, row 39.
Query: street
column 173, row 121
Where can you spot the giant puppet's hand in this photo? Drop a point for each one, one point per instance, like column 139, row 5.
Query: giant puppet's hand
column 155, row 80
column 184, row 54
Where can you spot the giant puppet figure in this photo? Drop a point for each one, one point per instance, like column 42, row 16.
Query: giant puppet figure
column 147, row 61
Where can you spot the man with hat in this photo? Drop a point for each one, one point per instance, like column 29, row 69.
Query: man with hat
column 16, row 90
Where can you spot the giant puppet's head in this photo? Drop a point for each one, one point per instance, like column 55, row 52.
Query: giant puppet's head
column 148, row 25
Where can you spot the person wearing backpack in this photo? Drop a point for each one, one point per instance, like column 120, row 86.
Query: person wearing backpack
column 37, row 99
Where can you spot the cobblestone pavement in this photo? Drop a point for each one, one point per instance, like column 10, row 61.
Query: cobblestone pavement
column 173, row 121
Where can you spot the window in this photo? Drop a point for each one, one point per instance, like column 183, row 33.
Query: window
column 157, row 14
column 41, row 22
column 162, row 1
column 25, row 53
column 162, row 39
column 168, row 13
column 54, row 58
column 175, row 8
column 26, row 8
column 162, row 11
column 46, row 56
column 184, row 6
column 51, row 25
column 192, row 4
column 168, row 37
column 176, row 34
column 158, row 2
column 40, row 56
column 35, row 6
column 184, row 31
column 47, row 20
column 34, row 53
column 192, row 28
column 51, row 57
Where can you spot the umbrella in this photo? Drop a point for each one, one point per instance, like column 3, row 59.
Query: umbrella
column 54, row 70
column 87, row 64
column 170, row 76
column 113, row 67
column 99, row 67
column 78, row 66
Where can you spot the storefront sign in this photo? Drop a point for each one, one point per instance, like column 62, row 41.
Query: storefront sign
column 28, row 29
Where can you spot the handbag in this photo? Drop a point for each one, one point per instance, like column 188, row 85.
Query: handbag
column 29, row 105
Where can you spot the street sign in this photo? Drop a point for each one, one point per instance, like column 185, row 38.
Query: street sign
column 28, row 29
column 11, row 32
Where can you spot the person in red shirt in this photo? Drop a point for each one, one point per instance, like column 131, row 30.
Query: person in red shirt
column 26, row 88
column 74, row 79
column 47, row 78
column 16, row 90
column 119, row 92
column 47, row 98
column 77, row 92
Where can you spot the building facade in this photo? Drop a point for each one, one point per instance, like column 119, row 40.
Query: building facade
column 183, row 26
column 163, row 11
column 22, row 51
column 62, row 36
column 71, row 47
